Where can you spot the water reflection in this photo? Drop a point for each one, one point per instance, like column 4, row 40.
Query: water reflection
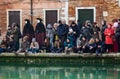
column 10, row 72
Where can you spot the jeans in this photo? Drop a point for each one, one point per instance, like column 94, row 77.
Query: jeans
column 33, row 50
column 98, row 51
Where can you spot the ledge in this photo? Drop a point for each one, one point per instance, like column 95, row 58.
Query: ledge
column 60, row 59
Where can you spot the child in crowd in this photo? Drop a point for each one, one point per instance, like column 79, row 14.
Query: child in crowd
column 68, row 46
column 24, row 45
column 34, row 46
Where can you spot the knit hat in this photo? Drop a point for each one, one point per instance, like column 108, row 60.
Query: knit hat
column 33, row 39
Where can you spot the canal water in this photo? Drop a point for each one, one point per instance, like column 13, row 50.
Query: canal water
column 83, row 72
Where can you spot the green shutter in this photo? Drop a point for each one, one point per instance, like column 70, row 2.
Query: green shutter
column 85, row 14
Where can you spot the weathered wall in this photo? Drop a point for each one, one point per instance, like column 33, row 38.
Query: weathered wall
column 24, row 6
column 111, row 6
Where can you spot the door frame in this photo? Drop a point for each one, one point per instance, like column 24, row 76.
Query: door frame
column 20, row 17
column 44, row 10
column 94, row 12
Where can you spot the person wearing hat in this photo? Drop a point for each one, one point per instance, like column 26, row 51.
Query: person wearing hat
column 40, row 32
column 28, row 30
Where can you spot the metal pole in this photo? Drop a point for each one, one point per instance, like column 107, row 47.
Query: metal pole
column 31, row 10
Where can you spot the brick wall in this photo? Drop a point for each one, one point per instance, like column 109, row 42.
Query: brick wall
column 24, row 6
column 110, row 6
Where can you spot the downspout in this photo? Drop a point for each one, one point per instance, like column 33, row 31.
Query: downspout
column 119, row 3
column 31, row 10
column 66, row 11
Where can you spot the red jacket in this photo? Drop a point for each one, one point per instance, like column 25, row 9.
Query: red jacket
column 109, row 33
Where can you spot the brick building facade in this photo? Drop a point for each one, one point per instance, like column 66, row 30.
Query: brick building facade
column 53, row 10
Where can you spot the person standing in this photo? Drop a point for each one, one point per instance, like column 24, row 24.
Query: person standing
column 96, row 31
column 28, row 30
column 104, row 26
column 86, row 30
column 61, row 31
column 115, row 42
column 109, row 34
column 117, row 35
column 50, row 34
column 40, row 32
column 15, row 32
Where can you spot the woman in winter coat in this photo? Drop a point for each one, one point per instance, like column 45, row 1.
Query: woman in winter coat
column 109, row 34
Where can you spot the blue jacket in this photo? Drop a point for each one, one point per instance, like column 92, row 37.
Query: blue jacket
column 68, row 44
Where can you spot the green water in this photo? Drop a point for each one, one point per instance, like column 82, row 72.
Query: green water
column 84, row 72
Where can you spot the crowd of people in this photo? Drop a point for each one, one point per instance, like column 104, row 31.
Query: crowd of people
column 61, row 37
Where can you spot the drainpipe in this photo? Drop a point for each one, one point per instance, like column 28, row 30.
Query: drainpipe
column 31, row 10
column 119, row 3
column 66, row 11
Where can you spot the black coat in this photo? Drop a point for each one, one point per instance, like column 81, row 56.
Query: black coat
column 86, row 32
column 61, row 30
column 28, row 29
column 40, row 28
column 75, row 29
column 117, row 33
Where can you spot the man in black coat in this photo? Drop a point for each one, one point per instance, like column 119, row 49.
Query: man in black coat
column 61, row 31
column 28, row 30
